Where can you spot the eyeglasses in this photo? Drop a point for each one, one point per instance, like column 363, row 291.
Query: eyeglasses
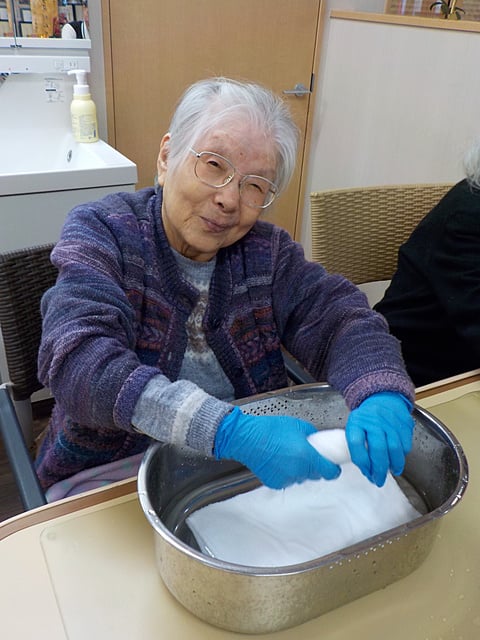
column 216, row 171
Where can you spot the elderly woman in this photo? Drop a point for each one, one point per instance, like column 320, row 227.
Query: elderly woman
column 172, row 302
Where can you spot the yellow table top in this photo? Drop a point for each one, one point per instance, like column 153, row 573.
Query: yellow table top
column 84, row 568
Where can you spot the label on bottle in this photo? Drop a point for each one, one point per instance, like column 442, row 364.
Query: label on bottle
column 84, row 128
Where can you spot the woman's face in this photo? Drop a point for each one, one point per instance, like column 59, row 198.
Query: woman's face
column 198, row 219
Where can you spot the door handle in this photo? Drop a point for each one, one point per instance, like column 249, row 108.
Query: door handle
column 298, row 90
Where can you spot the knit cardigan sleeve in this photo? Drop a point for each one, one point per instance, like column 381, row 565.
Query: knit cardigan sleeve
column 326, row 322
column 88, row 352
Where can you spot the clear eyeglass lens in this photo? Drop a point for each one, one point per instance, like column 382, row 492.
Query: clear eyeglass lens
column 217, row 171
column 213, row 169
column 256, row 191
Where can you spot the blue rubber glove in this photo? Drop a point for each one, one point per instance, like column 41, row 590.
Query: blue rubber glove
column 379, row 435
column 275, row 448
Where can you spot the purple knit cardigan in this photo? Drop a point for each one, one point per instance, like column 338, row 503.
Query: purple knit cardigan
column 116, row 318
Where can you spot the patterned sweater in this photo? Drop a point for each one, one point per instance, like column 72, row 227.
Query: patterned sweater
column 116, row 318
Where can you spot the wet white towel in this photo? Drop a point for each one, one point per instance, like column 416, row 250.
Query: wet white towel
column 268, row 528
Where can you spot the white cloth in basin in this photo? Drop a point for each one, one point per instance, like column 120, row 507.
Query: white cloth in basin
column 269, row 528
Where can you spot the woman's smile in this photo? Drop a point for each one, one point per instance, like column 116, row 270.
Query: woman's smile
column 216, row 226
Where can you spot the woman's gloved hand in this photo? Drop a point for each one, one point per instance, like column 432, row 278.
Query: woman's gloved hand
column 275, row 448
column 379, row 435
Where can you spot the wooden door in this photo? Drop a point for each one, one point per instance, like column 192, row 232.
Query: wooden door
column 156, row 48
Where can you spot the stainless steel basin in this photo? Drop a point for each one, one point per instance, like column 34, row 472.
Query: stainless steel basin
column 173, row 482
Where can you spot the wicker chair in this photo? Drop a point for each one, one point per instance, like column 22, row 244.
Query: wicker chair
column 357, row 232
column 24, row 276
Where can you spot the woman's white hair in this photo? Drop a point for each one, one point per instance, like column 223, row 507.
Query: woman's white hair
column 471, row 163
column 208, row 103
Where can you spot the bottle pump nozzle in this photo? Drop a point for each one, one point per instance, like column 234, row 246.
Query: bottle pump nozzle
column 81, row 87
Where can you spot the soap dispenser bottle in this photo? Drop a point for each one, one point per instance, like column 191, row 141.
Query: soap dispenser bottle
column 83, row 110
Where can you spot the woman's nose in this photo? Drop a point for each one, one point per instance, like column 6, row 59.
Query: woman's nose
column 228, row 197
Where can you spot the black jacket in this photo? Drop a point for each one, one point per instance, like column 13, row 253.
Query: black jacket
column 433, row 302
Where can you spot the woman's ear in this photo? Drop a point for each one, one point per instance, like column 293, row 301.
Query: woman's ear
column 162, row 159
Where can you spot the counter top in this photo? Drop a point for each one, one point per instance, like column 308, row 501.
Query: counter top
column 84, row 567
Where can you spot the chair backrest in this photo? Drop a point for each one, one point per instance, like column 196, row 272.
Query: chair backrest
column 357, row 232
column 25, row 275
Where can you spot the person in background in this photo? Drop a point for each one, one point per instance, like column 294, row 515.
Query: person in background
column 74, row 30
column 433, row 302
column 173, row 302
column 79, row 27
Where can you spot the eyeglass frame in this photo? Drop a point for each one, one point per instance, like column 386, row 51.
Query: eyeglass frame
column 198, row 155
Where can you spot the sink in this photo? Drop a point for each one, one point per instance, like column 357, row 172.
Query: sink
column 44, row 173
column 37, row 162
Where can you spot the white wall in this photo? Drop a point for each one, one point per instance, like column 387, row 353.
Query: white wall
column 395, row 104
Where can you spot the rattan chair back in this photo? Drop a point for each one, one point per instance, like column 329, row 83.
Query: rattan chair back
column 25, row 275
column 357, row 232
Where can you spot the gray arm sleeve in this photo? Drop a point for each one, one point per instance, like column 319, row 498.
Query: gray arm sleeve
column 179, row 413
